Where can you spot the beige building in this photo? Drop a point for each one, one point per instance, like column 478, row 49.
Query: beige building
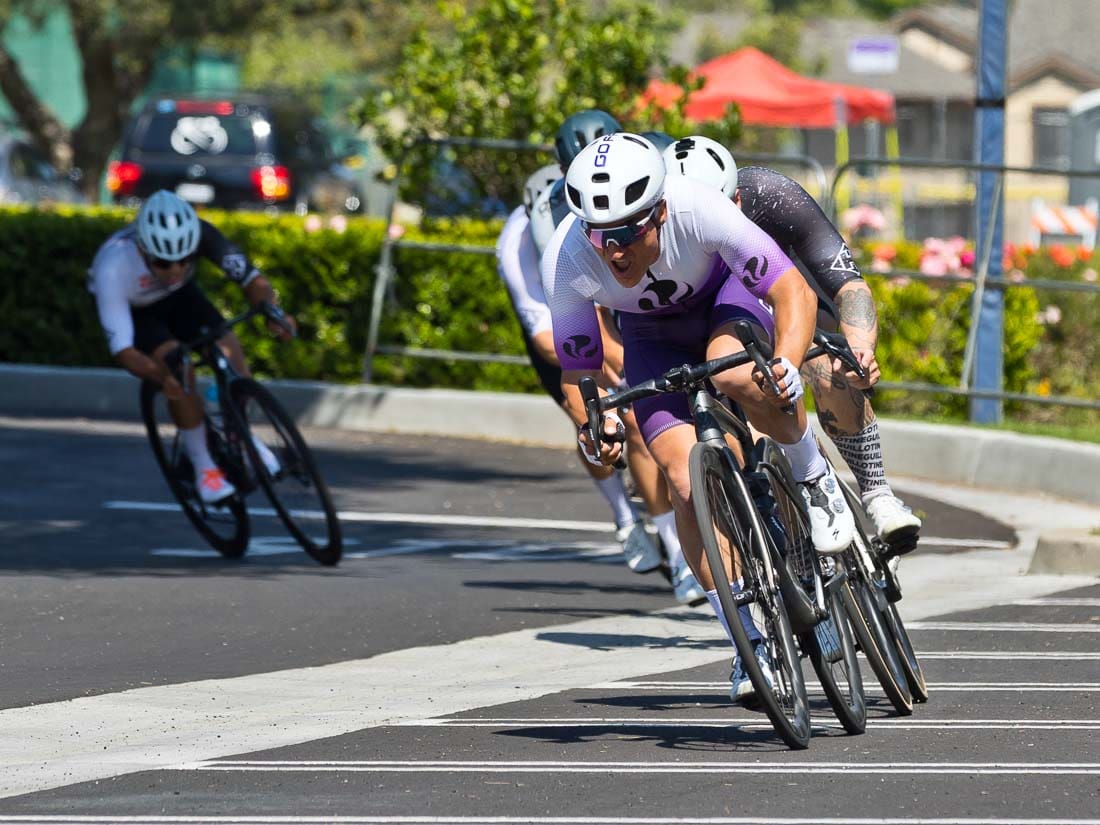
column 1053, row 58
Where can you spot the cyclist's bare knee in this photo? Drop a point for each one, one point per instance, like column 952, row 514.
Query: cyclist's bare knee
column 230, row 345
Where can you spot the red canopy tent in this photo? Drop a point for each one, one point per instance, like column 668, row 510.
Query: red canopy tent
column 770, row 94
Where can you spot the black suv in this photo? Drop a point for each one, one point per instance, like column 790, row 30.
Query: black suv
column 245, row 152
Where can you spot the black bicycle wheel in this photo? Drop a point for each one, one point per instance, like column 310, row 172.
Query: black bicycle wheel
column 886, row 591
column 828, row 645
column 874, row 640
column 914, row 673
column 225, row 528
column 297, row 491
column 727, row 516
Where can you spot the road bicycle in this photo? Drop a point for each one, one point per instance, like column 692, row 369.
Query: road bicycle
column 246, row 411
column 754, row 515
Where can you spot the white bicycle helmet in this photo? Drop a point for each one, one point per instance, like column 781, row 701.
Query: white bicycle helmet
column 704, row 160
column 615, row 177
column 538, row 183
column 167, row 227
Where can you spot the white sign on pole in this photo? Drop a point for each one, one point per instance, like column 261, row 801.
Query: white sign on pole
column 873, row 55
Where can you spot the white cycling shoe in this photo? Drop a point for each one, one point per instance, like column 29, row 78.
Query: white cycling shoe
column 741, row 688
column 639, row 550
column 214, row 488
column 832, row 526
column 894, row 522
column 685, row 586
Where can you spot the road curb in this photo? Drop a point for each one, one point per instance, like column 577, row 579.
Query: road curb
column 948, row 454
column 1067, row 552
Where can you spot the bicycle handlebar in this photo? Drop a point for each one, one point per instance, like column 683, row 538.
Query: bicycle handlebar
column 678, row 379
column 210, row 335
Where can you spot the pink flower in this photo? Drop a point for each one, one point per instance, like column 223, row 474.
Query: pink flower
column 967, row 258
column 1089, row 275
column 1017, row 275
column 312, row 223
column 338, row 223
column 863, row 216
column 396, row 231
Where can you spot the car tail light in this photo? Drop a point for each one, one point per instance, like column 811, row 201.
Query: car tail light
column 122, row 177
column 272, row 182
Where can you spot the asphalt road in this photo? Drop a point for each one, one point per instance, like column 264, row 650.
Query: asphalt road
column 469, row 665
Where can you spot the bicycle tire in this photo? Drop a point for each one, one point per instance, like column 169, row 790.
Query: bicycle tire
column 232, row 543
column 841, row 679
column 299, row 467
column 716, row 486
column 887, row 592
column 910, row 664
column 877, row 647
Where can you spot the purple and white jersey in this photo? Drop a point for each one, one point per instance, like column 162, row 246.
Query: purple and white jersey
column 704, row 239
column 518, row 265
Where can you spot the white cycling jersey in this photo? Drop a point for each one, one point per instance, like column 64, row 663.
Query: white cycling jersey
column 704, row 238
column 119, row 278
column 518, row 265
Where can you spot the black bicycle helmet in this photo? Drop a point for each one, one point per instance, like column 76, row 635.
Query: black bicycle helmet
column 580, row 129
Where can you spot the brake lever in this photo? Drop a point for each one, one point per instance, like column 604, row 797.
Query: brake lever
column 277, row 315
column 837, row 346
column 747, row 336
column 591, row 395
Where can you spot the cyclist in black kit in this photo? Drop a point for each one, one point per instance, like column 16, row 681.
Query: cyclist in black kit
column 783, row 209
column 148, row 301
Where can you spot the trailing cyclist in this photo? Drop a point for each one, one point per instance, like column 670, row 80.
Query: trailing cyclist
column 680, row 263
column 783, row 209
column 148, row 301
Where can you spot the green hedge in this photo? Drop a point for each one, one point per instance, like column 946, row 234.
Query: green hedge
column 450, row 301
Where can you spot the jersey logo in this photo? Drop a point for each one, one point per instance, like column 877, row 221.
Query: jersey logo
column 843, row 261
column 234, row 266
column 664, row 290
column 750, row 277
column 579, row 346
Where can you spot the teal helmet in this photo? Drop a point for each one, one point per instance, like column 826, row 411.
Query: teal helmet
column 580, row 129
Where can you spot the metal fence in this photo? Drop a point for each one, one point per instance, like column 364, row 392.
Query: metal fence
column 813, row 175
column 893, row 196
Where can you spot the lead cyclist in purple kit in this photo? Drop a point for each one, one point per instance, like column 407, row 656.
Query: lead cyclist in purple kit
column 784, row 210
column 681, row 263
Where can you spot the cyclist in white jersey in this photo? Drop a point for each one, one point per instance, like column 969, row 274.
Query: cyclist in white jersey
column 518, row 265
column 784, row 210
column 147, row 299
column 681, row 263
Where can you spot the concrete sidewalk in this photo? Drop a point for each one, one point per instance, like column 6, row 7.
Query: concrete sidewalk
column 1030, row 465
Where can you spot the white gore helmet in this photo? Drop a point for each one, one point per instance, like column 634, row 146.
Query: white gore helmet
column 539, row 182
column 704, row 160
column 614, row 177
column 167, row 227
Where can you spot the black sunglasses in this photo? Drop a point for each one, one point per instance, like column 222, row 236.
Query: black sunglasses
column 621, row 236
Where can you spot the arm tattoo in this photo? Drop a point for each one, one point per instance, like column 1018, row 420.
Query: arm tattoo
column 857, row 309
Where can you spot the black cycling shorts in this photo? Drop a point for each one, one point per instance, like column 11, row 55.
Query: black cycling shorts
column 180, row 317
column 549, row 374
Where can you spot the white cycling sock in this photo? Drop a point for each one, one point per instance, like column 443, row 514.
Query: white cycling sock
column 666, row 529
column 862, row 453
column 194, row 441
column 743, row 612
column 613, row 490
column 807, row 462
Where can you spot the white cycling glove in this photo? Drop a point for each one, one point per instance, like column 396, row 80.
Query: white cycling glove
column 620, row 435
column 792, row 379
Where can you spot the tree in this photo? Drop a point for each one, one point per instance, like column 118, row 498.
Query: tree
column 119, row 42
column 514, row 69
